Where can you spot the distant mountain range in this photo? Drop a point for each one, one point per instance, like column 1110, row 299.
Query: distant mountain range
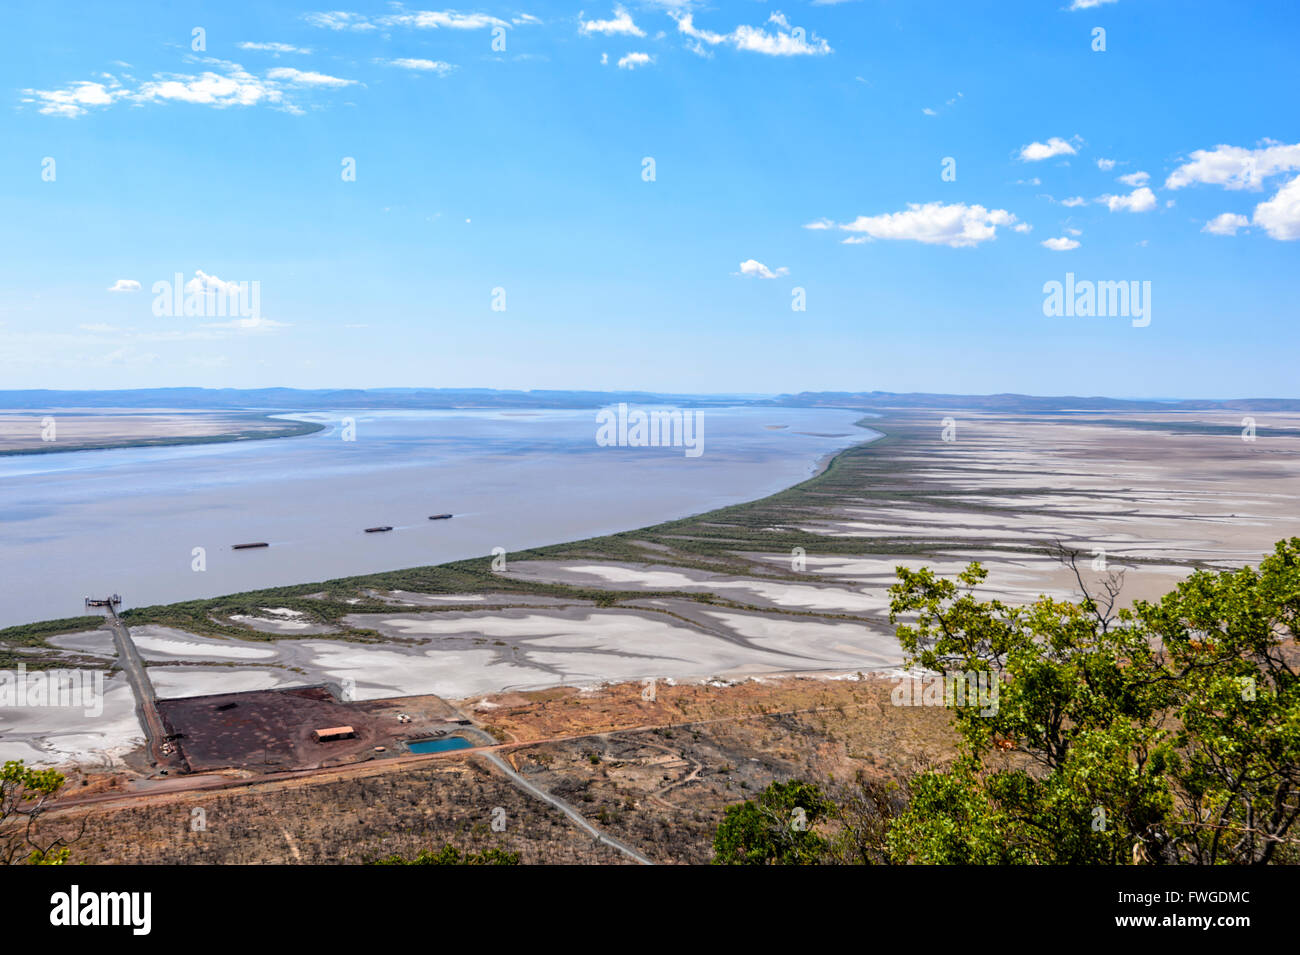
column 294, row 399
column 1024, row 403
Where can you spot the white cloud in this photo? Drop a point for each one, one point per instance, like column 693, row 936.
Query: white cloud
column 1235, row 167
column 1226, row 224
column 928, row 112
column 1074, row 201
column 621, row 25
column 338, row 20
column 1280, row 216
column 234, row 88
column 434, row 20
column 421, row 66
column 957, row 225
column 1139, row 200
column 756, row 39
column 604, row 59
column 632, row 60
column 125, row 285
column 1023, row 227
column 76, row 98
column 203, row 282
column 306, row 78
column 1075, row 232
column 1035, row 152
column 1135, row 179
column 1088, row 4
column 228, row 84
column 1105, row 165
column 273, row 47
column 415, row 20
column 755, row 268
column 525, row 19
column 1061, row 244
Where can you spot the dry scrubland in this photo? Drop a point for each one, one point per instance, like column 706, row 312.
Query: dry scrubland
column 660, row 790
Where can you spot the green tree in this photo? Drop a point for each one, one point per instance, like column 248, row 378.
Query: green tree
column 1071, row 764
column 1230, row 639
column 1165, row 733
column 23, row 794
column 776, row 828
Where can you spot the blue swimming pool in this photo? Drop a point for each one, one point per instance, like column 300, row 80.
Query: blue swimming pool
column 438, row 745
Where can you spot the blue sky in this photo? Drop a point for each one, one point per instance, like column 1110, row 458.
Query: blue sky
column 795, row 145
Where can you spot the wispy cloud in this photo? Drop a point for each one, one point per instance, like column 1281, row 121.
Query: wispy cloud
column 412, row 19
column 306, row 77
column 784, row 40
column 272, row 47
column 228, row 84
column 420, row 66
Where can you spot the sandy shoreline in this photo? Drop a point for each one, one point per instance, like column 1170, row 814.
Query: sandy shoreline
column 71, row 429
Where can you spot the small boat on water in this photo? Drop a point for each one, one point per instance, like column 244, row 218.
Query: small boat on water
column 439, row 517
column 247, row 546
column 379, row 530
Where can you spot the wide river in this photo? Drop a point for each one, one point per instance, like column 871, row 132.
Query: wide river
column 131, row 520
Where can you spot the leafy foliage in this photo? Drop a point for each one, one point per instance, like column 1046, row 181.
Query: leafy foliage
column 1165, row 733
column 23, row 792
column 777, row 828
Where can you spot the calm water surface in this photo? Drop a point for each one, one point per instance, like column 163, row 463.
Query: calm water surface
column 129, row 520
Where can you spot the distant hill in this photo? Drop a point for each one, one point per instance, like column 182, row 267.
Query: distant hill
column 1020, row 403
column 294, row 399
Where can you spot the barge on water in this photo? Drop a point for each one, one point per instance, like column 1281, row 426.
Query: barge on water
column 379, row 530
column 439, row 517
column 248, row 546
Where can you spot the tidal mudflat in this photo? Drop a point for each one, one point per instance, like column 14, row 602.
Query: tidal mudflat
column 792, row 583
column 60, row 430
